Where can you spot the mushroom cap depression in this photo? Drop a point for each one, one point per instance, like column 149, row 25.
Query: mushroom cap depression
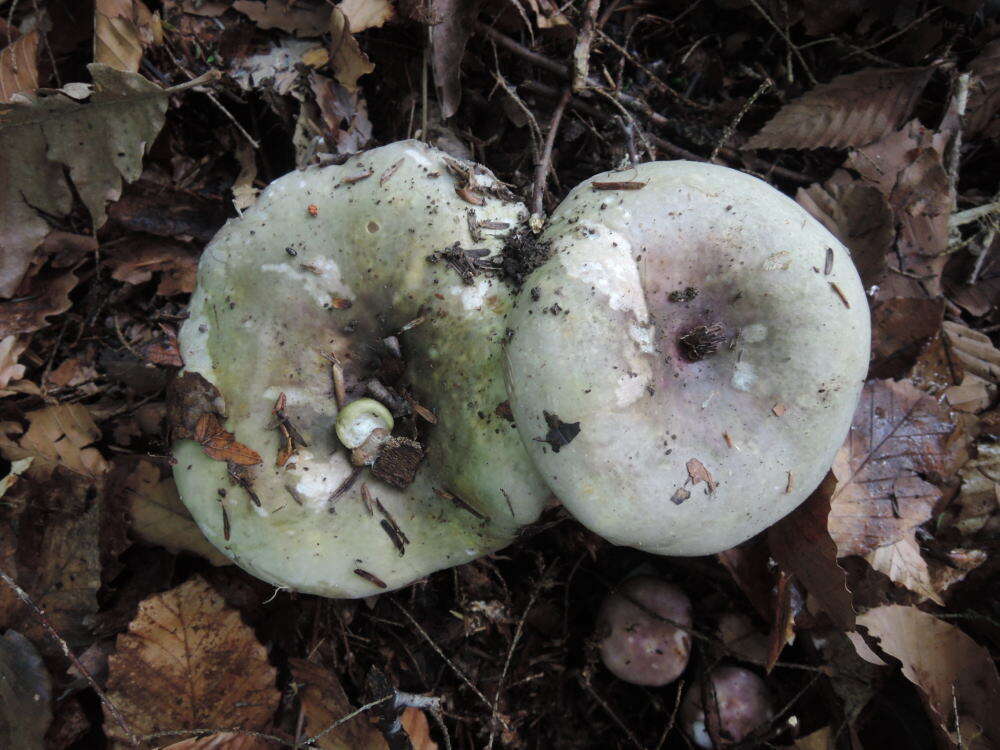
column 709, row 340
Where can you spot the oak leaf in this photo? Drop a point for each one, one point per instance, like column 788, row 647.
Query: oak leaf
column 188, row 661
column 44, row 135
column 56, row 436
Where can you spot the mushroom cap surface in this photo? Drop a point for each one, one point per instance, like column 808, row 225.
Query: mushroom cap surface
column 675, row 453
column 743, row 701
column 330, row 261
column 635, row 645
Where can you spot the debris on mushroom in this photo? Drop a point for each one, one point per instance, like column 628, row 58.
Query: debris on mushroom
column 642, row 631
column 738, row 703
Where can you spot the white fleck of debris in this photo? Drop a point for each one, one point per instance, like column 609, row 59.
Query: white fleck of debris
column 754, row 333
column 643, row 336
column 743, row 376
column 472, row 296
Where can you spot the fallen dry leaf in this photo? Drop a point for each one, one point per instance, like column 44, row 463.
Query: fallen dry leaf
column 223, row 741
column 159, row 517
column 366, row 14
column 901, row 326
column 972, row 395
column 348, row 60
column 50, row 527
column 25, row 694
column 741, row 637
column 42, row 135
column 852, row 110
column 821, row 739
column 904, row 565
column 907, row 167
column 137, row 259
column 188, row 661
column 748, row 564
column 276, row 66
column 46, row 295
column 950, row 669
column 221, row 445
column 984, row 89
column 698, row 473
column 344, row 114
column 802, row 547
column 323, row 702
column 71, row 372
column 858, row 215
column 977, row 507
column 974, row 350
column 954, row 567
column 898, row 434
column 11, row 348
column 448, row 40
column 308, row 21
column 119, row 28
column 19, row 66
column 56, row 436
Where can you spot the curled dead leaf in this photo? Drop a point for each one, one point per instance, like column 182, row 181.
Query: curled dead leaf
column 221, row 445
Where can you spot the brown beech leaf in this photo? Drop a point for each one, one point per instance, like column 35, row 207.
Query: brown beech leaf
column 366, row 14
column 977, row 507
column 120, row 27
column 300, row 20
column 898, row 433
column 159, row 517
column 907, row 167
column 323, row 702
column 974, row 350
column 904, row 565
column 50, row 543
column 348, row 60
column 448, row 40
column 950, row 669
column 221, row 445
column 19, row 66
column 858, row 215
column 984, row 89
column 800, row 543
column 188, row 661
column 851, row 110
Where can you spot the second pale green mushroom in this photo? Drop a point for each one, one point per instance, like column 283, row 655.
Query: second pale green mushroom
column 678, row 373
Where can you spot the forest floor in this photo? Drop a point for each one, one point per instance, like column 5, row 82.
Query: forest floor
column 872, row 613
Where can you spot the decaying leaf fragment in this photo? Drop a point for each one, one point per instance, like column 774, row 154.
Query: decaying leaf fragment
column 25, row 694
column 221, row 444
column 121, row 29
column 41, row 135
column 208, row 668
column 56, row 436
column 852, row 110
column 19, row 66
column 951, row 670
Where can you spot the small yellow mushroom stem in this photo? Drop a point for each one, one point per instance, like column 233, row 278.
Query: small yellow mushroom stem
column 358, row 419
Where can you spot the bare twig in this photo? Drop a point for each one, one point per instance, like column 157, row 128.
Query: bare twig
column 545, row 162
column 40, row 616
column 581, row 52
column 955, row 150
column 585, row 681
column 510, row 653
column 791, row 45
column 731, row 127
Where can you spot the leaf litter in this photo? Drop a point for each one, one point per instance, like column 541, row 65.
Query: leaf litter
column 902, row 536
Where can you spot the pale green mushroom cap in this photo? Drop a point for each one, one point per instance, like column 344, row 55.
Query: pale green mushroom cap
column 673, row 456
column 280, row 287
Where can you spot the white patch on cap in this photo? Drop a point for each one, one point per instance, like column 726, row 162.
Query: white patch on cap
column 743, row 376
column 754, row 333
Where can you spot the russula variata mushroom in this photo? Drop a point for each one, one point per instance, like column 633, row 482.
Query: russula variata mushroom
column 680, row 371
column 641, row 631
column 739, row 704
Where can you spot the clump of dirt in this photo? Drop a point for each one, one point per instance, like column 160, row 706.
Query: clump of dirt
column 522, row 253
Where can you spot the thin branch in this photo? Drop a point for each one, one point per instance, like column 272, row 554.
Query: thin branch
column 545, row 163
column 40, row 616
column 788, row 41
